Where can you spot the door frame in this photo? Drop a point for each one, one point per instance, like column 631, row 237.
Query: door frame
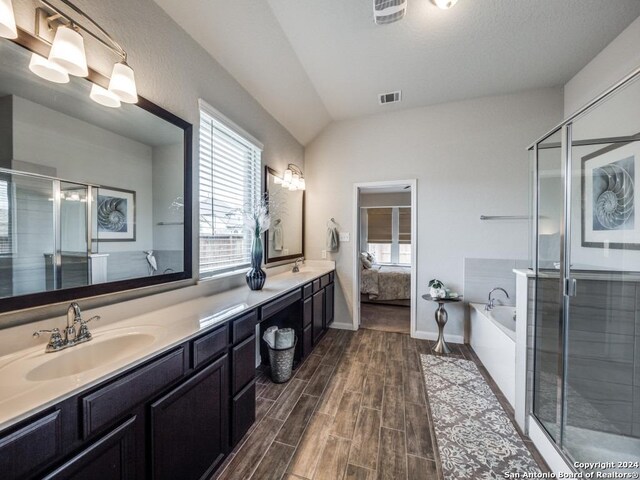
column 357, row 187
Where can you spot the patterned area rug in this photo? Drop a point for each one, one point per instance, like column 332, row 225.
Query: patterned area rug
column 475, row 437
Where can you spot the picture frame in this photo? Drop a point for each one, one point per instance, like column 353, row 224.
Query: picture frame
column 610, row 202
column 114, row 215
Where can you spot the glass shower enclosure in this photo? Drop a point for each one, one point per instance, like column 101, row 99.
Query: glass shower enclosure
column 45, row 233
column 586, row 257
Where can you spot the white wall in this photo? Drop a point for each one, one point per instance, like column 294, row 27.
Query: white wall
column 469, row 158
column 618, row 59
column 167, row 187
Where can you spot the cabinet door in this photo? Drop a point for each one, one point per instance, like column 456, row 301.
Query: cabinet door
column 318, row 315
column 307, row 340
column 328, row 305
column 243, row 364
column 307, row 312
column 113, row 457
column 243, row 413
column 189, row 426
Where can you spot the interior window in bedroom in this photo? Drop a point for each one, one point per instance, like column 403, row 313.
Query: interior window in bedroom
column 389, row 234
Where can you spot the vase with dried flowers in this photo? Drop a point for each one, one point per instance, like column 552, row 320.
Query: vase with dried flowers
column 256, row 220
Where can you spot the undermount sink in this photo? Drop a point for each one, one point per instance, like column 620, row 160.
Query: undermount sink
column 88, row 356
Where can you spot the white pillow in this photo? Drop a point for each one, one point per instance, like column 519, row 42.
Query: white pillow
column 365, row 259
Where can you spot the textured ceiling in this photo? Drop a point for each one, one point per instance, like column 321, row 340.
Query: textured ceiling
column 309, row 62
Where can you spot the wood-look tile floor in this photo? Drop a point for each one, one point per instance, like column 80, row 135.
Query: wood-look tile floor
column 355, row 409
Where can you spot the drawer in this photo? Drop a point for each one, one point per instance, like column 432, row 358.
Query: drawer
column 332, row 277
column 103, row 407
column 324, row 281
column 209, row 346
column 281, row 303
column 243, row 364
column 244, row 327
column 243, row 412
column 307, row 290
column 316, row 285
column 30, row 448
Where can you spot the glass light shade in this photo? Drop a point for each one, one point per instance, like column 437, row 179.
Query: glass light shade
column 286, row 184
column 48, row 70
column 104, row 97
column 295, row 180
column 277, row 180
column 293, row 187
column 445, row 4
column 7, row 20
column 67, row 51
column 123, row 83
column 288, row 175
column 302, row 185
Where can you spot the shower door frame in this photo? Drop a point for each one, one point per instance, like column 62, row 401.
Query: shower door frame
column 567, row 282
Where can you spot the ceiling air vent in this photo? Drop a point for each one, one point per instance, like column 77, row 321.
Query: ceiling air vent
column 388, row 11
column 390, row 97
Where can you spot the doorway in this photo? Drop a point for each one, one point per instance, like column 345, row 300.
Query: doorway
column 385, row 256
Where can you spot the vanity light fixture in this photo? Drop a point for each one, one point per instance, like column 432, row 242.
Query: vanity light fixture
column 104, row 97
column 444, row 4
column 48, row 70
column 67, row 55
column 7, row 20
column 67, row 51
column 292, row 178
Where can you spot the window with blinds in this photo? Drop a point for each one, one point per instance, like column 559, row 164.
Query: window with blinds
column 230, row 181
column 389, row 234
column 5, row 227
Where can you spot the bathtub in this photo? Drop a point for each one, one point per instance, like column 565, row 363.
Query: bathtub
column 492, row 336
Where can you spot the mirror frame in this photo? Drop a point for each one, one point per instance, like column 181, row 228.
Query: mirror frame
column 9, row 304
column 286, row 258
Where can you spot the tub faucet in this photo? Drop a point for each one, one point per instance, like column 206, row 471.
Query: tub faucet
column 492, row 301
column 296, row 269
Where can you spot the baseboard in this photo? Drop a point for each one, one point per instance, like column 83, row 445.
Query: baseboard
column 342, row 326
column 434, row 336
column 547, row 448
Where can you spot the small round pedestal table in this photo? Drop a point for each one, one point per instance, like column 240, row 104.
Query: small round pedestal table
column 441, row 320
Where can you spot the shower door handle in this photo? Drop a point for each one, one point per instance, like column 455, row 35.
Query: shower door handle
column 570, row 287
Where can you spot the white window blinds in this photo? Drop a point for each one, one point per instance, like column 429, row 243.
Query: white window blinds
column 230, row 181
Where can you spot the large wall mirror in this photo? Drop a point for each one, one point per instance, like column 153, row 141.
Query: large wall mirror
column 93, row 200
column 285, row 238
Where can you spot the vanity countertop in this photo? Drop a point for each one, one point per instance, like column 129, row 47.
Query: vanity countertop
column 22, row 393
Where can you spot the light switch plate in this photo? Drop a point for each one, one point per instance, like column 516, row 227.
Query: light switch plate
column 344, row 236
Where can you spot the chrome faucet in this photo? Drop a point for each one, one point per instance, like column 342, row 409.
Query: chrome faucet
column 492, row 301
column 71, row 337
column 296, row 269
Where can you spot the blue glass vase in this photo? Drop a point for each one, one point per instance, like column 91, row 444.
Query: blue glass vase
column 256, row 276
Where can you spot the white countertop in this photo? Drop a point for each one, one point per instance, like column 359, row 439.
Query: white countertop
column 171, row 326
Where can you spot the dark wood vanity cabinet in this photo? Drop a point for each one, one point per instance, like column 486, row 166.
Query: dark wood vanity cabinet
column 176, row 415
column 189, row 425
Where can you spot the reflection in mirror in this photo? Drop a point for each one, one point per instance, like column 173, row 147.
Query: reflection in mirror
column 285, row 238
column 89, row 195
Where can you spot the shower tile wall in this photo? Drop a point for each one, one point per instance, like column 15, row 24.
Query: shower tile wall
column 483, row 274
column 603, row 390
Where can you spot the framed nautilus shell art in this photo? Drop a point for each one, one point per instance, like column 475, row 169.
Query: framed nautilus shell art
column 610, row 202
column 114, row 216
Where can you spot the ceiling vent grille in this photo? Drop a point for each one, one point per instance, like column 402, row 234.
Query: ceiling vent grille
column 391, row 97
column 388, row 11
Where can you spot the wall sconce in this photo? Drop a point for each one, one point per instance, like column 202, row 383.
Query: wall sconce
column 292, row 178
column 67, row 55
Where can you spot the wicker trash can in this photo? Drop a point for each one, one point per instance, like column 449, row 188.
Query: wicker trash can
column 281, row 362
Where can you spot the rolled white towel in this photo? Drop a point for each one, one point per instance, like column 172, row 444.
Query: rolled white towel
column 270, row 336
column 285, row 338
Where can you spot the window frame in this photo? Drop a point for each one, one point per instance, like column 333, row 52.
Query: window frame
column 233, row 129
